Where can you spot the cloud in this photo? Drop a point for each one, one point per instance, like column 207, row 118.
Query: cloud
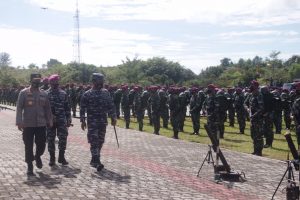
column 229, row 12
column 27, row 46
column 99, row 46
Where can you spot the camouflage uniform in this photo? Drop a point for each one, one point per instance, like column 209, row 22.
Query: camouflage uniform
column 117, row 101
column 164, row 109
column 73, row 99
column 97, row 103
column 61, row 113
column 174, row 111
column 222, row 108
column 286, row 105
column 240, row 110
column 183, row 102
column 296, row 114
column 155, row 105
column 230, row 98
column 139, row 108
column 125, row 106
column 277, row 112
column 212, row 107
column 268, row 113
column 255, row 101
column 195, row 107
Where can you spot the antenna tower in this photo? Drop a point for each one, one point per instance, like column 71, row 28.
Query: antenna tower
column 76, row 39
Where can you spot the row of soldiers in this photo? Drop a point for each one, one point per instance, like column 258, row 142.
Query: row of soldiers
column 171, row 105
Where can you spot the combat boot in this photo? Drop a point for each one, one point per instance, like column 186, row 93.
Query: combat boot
column 52, row 159
column 61, row 158
column 175, row 135
column 30, row 169
column 95, row 161
column 38, row 162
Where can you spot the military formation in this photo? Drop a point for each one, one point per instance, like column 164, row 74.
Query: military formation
column 263, row 106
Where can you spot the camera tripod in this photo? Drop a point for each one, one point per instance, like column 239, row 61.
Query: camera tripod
column 292, row 189
column 208, row 158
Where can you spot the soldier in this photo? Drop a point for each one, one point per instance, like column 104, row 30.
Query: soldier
column 33, row 115
column 97, row 103
column 212, row 109
column 139, row 107
column 131, row 96
column 155, row 105
column 286, row 105
column 117, row 100
column 222, row 108
column 174, row 110
column 145, row 100
column 61, row 113
column 72, row 98
column 164, row 109
column 277, row 111
column 125, row 105
column 230, row 98
column 239, row 109
column 268, row 112
column 183, row 102
column 296, row 112
column 255, row 102
column 195, row 107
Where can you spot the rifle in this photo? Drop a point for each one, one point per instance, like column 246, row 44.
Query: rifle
column 6, row 108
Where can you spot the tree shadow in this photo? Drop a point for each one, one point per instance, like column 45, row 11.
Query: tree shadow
column 106, row 174
column 43, row 180
column 68, row 172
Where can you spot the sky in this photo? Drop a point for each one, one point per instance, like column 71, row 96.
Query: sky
column 195, row 33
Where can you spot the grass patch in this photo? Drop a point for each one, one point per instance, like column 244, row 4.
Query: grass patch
column 232, row 139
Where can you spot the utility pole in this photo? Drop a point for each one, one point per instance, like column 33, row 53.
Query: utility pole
column 76, row 39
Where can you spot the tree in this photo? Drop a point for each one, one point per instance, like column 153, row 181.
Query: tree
column 4, row 59
column 226, row 62
column 52, row 62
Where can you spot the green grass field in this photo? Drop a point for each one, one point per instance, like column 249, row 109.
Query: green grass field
column 232, row 139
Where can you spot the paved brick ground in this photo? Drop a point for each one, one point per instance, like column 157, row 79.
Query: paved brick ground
column 145, row 167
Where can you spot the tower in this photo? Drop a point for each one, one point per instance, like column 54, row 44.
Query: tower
column 76, row 37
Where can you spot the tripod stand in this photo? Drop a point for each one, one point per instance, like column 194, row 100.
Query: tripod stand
column 209, row 158
column 292, row 189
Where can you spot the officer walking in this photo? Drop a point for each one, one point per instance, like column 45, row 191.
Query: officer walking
column 33, row 115
column 61, row 113
column 97, row 103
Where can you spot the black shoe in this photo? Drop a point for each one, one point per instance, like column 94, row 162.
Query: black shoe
column 61, row 158
column 100, row 167
column 95, row 162
column 38, row 162
column 52, row 160
column 267, row 145
column 30, row 170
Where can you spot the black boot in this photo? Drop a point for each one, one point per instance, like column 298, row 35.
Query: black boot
column 175, row 135
column 61, row 158
column 52, row 159
column 38, row 162
column 95, row 161
column 30, row 169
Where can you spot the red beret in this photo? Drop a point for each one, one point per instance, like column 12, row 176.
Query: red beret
column 54, row 77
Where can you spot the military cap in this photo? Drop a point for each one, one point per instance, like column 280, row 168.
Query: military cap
column 35, row 76
column 97, row 76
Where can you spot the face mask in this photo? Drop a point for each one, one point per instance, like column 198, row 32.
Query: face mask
column 35, row 84
column 55, row 86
